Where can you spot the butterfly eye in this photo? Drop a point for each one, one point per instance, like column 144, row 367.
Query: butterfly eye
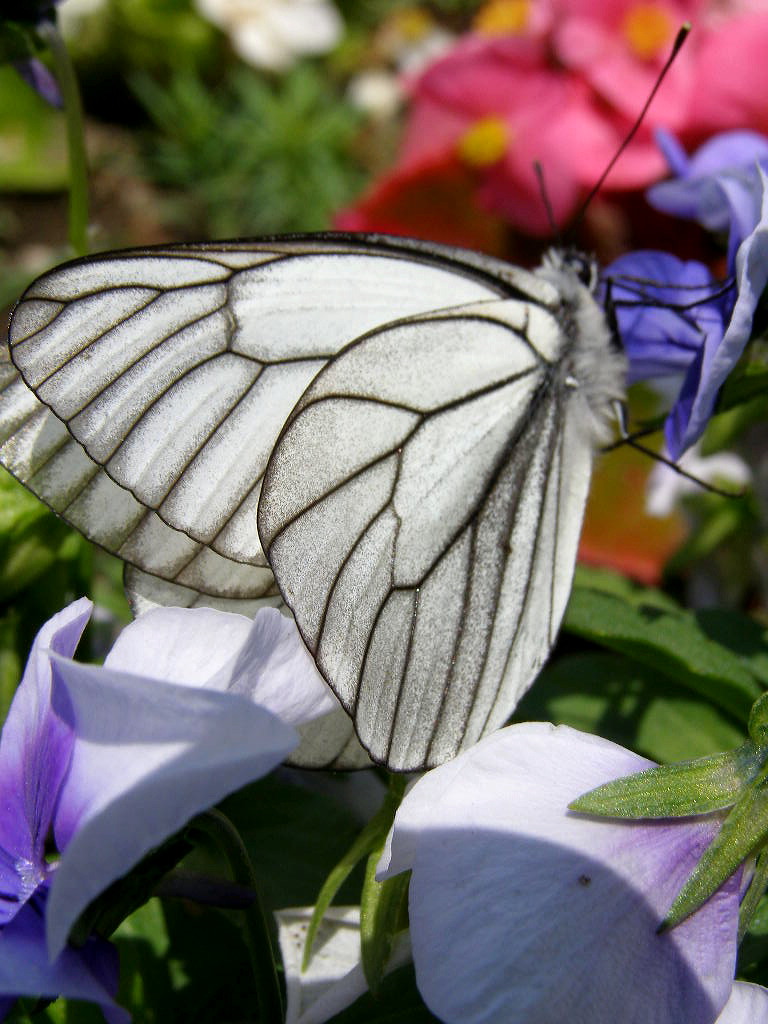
column 584, row 267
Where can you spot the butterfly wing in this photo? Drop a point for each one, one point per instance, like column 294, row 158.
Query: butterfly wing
column 173, row 369
column 421, row 512
column 164, row 377
column 36, row 448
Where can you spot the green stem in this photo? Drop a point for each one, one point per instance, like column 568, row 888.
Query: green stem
column 78, row 164
column 216, row 826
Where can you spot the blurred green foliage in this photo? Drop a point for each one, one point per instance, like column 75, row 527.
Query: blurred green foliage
column 33, row 154
column 251, row 156
column 43, row 566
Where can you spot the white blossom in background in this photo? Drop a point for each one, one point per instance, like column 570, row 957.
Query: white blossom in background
column 408, row 41
column 377, row 92
column 72, row 13
column 665, row 487
column 272, row 34
column 334, row 978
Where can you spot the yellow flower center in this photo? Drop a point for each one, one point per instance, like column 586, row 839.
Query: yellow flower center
column 502, row 17
column 648, row 29
column 412, row 23
column 485, row 142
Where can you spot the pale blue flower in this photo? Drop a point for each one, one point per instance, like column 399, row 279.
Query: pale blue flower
column 523, row 911
column 110, row 761
column 678, row 320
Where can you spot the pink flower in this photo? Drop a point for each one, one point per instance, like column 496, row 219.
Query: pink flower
column 620, row 46
column 495, row 107
column 730, row 87
column 560, row 83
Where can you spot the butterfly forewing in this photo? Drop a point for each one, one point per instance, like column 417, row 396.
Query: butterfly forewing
column 175, row 368
column 37, row 448
column 413, row 513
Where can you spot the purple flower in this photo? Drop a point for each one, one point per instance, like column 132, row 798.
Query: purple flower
column 716, row 186
column 723, row 186
column 671, row 316
column 523, row 911
column 109, row 761
column 19, row 24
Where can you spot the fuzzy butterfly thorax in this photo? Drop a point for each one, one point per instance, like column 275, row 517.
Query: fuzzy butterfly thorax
column 592, row 358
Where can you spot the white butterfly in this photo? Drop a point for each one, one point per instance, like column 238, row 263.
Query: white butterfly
column 411, row 426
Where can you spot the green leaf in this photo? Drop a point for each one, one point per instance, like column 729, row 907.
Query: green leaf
column 252, row 155
column 614, row 695
column 741, row 835
column 754, row 894
column 672, row 642
column 747, row 381
column 18, row 41
column 741, row 634
column 117, row 902
column 382, row 909
column 720, row 521
column 279, row 822
column 10, row 662
column 32, row 139
column 606, row 581
column 370, row 840
column 31, row 538
column 182, row 962
column 676, row 790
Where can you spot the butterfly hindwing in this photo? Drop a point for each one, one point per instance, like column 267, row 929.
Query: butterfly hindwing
column 421, row 512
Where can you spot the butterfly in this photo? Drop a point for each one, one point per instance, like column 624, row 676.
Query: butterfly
column 394, row 438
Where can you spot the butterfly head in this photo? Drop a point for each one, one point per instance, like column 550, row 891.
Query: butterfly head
column 574, row 262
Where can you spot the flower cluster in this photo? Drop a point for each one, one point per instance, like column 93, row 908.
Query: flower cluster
column 559, row 84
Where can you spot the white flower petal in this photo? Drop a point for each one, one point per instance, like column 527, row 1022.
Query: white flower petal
column 181, row 645
column 334, row 978
column 748, row 1004
column 304, row 27
column 258, row 45
column 275, row 669
column 148, row 756
column 263, row 659
column 521, row 911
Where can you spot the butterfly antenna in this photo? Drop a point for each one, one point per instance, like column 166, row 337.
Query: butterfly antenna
column 538, row 170
column 632, row 441
column 676, row 46
column 658, row 457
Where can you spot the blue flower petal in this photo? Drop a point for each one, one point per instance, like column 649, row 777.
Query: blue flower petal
column 719, row 358
column 89, row 973
column 35, row 750
column 646, row 290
